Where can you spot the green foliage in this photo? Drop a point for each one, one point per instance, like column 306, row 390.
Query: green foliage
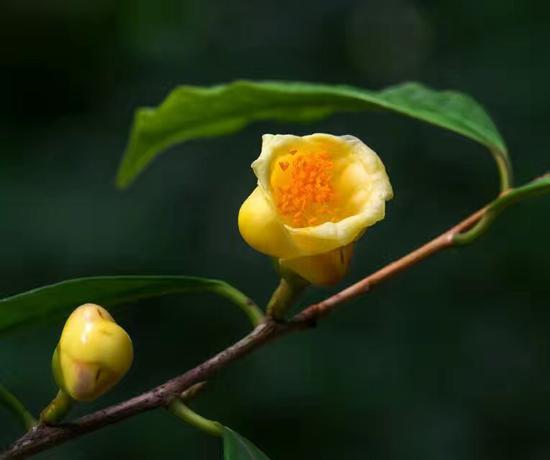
column 191, row 112
column 236, row 447
column 34, row 305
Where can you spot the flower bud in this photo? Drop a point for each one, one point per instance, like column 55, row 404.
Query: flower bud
column 93, row 354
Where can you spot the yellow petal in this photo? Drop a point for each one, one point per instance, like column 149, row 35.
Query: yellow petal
column 322, row 269
column 261, row 228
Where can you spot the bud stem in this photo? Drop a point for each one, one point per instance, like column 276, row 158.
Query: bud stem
column 285, row 296
column 183, row 412
column 57, row 409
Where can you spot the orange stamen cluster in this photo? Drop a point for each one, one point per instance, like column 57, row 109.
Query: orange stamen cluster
column 304, row 191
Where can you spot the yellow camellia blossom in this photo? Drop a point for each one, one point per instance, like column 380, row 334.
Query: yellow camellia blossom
column 93, row 353
column 316, row 196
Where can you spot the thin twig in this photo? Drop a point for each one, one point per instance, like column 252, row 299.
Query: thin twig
column 44, row 437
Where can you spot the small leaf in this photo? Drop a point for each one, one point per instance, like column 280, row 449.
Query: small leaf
column 192, row 112
column 108, row 291
column 536, row 187
column 236, row 447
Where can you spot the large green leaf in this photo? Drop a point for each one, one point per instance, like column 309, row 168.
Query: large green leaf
column 109, row 291
column 191, row 112
column 236, row 447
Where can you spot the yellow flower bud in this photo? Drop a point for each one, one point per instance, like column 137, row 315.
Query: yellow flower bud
column 316, row 196
column 93, row 354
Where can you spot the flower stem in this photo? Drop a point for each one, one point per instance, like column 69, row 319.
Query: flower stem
column 57, row 409
column 16, row 407
column 285, row 296
column 183, row 412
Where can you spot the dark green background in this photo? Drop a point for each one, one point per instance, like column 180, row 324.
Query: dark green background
column 448, row 361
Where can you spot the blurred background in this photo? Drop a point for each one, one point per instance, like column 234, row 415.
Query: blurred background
column 448, row 361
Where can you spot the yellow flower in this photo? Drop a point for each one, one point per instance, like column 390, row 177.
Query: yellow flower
column 93, row 354
column 316, row 196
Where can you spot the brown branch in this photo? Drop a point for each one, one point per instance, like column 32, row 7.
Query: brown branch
column 44, row 437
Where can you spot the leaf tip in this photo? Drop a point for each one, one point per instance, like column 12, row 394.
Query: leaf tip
column 121, row 181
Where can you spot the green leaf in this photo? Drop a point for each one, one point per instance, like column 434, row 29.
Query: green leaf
column 191, row 112
column 236, row 447
column 109, row 291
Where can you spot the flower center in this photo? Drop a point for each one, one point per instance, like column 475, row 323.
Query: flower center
column 302, row 188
